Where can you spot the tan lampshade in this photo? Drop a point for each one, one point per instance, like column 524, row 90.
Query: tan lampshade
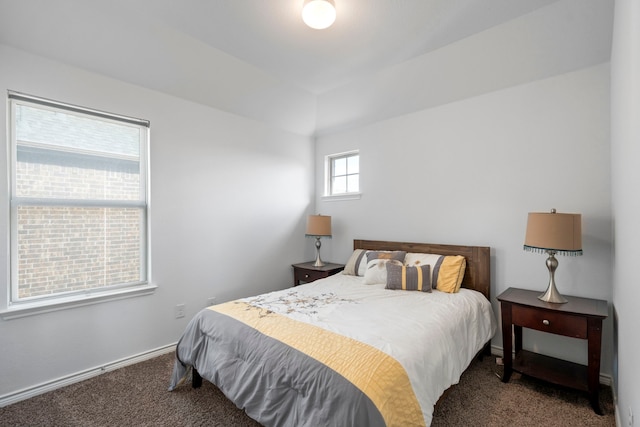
column 560, row 232
column 319, row 225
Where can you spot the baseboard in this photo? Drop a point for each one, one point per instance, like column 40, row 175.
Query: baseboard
column 29, row 392
column 616, row 407
column 604, row 379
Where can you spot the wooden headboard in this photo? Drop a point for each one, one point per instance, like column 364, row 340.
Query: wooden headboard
column 477, row 275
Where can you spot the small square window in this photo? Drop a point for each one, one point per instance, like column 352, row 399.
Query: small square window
column 342, row 174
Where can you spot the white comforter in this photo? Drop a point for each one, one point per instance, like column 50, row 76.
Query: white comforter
column 433, row 335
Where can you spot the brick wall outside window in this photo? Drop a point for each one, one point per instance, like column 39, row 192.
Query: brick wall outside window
column 54, row 257
column 64, row 249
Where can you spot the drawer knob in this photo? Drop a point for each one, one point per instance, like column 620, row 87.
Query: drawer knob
column 306, row 276
column 545, row 322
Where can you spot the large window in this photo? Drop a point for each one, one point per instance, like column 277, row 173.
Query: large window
column 342, row 174
column 78, row 201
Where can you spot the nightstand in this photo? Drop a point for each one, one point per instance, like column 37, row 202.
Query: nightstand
column 306, row 272
column 578, row 318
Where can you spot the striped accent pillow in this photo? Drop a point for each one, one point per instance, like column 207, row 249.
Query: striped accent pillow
column 409, row 278
column 447, row 272
column 451, row 273
column 352, row 268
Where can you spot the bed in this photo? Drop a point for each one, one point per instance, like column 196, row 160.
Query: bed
column 375, row 345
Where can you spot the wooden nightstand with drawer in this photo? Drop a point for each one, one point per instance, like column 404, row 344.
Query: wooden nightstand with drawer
column 307, row 272
column 578, row 318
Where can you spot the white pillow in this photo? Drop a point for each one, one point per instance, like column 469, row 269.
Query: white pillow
column 357, row 263
column 415, row 259
column 376, row 271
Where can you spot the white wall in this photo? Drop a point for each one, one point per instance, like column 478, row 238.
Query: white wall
column 229, row 199
column 625, row 171
column 469, row 172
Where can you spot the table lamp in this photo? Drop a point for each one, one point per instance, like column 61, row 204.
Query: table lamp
column 318, row 226
column 553, row 233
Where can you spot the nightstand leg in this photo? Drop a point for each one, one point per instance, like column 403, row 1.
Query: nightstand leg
column 595, row 404
column 594, row 340
column 506, row 342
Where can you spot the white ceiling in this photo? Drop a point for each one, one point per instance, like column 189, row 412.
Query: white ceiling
column 367, row 35
column 269, row 34
column 223, row 52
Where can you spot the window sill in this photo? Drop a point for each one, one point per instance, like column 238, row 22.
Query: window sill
column 29, row 309
column 340, row 197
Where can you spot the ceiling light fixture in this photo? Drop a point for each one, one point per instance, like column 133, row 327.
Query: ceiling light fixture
column 319, row 14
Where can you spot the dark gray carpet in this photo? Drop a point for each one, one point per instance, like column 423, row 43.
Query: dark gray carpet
column 482, row 399
column 137, row 396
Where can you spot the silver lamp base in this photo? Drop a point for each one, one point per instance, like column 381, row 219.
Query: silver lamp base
column 552, row 295
column 318, row 262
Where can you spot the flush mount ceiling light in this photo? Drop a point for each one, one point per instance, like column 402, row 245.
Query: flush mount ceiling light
column 319, row 14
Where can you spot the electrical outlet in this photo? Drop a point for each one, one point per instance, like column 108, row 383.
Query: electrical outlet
column 211, row 301
column 179, row 311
